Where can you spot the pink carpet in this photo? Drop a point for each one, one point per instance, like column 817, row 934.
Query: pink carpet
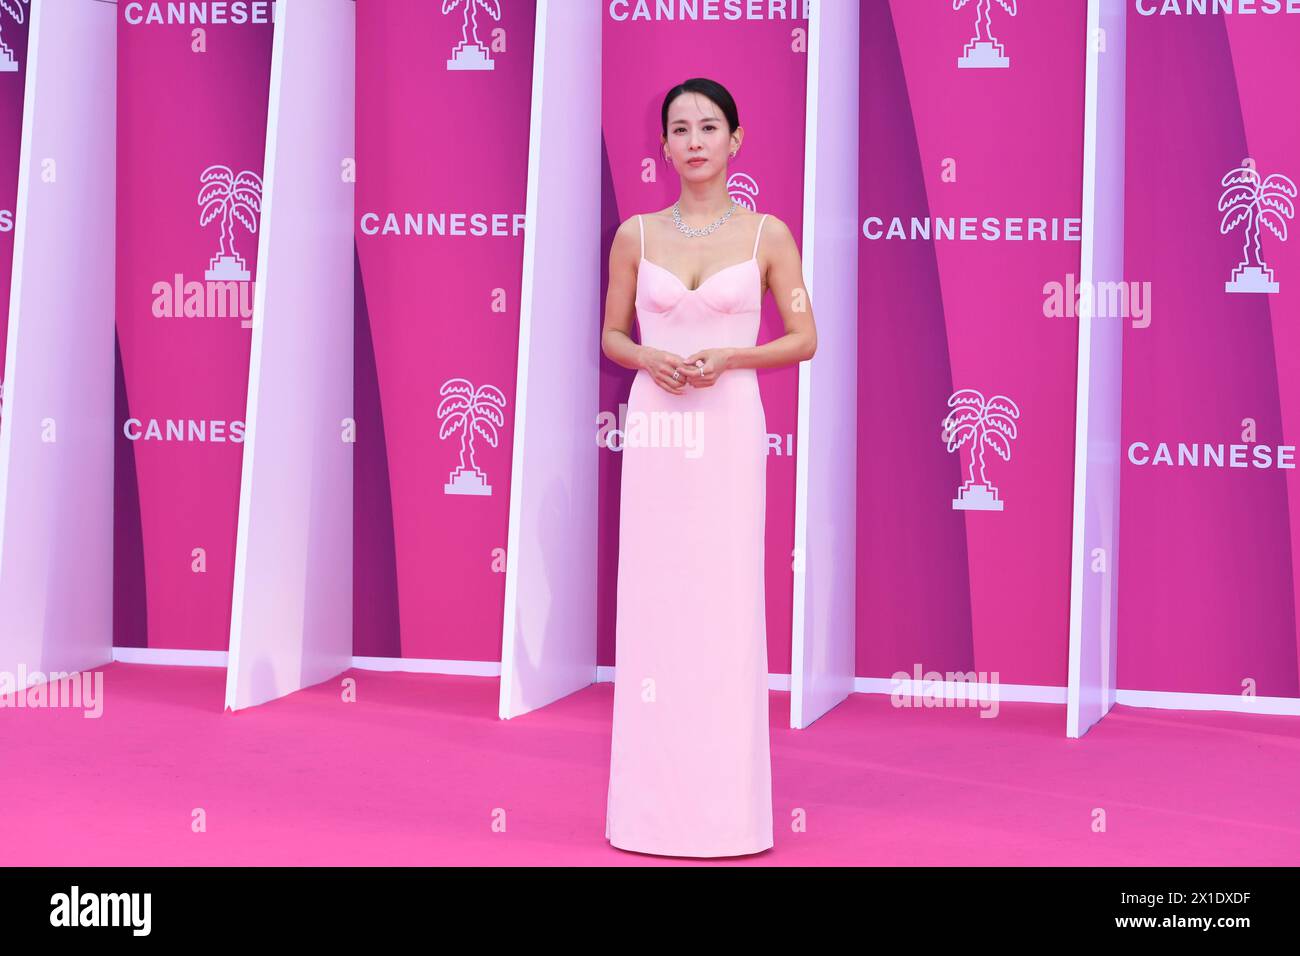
column 413, row 771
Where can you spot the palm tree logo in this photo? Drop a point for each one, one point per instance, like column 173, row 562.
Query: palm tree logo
column 15, row 9
column 981, row 424
column 470, row 53
column 471, row 411
column 743, row 189
column 984, row 51
column 1256, row 201
column 233, row 197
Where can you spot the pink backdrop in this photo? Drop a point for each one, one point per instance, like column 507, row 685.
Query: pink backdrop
column 757, row 61
column 944, row 588
column 179, row 113
column 11, row 127
column 1208, row 555
column 446, row 152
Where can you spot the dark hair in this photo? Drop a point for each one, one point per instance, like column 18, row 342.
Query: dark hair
column 705, row 87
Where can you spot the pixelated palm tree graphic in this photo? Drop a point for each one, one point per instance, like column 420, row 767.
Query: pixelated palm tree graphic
column 8, row 63
column 982, row 424
column 1254, row 201
column 471, row 53
column 984, row 49
column 235, row 197
column 743, row 190
column 470, row 411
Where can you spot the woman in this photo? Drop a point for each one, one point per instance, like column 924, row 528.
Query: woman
column 690, row 765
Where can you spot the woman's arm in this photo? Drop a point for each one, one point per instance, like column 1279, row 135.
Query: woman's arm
column 620, row 299
column 620, row 311
column 785, row 279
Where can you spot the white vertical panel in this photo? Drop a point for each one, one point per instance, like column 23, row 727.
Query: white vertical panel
column 823, row 637
column 291, row 619
column 1094, row 578
column 56, row 441
column 548, row 635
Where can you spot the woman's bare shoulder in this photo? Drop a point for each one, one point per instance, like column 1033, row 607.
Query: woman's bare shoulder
column 774, row 224
column 627, row 237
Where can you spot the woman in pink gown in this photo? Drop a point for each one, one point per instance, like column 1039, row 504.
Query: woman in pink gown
column 690, row 765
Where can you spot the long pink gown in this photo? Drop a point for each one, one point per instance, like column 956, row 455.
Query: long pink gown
column 690, row 761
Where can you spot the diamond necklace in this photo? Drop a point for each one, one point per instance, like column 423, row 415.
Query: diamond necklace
column 696, row 233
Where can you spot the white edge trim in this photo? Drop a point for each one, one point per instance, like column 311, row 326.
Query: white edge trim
column 1016, row 693
column 169, row 656
column 510, row 611
column 956, row 689
column 416, row 665
column 279, row 29
column 1175, row 700
column 798, row 615
column 1082, row 394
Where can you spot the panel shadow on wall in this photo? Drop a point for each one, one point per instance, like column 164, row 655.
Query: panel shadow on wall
column 1210, row 516
column 972, row 158
column 191, row 132
column 442, row 150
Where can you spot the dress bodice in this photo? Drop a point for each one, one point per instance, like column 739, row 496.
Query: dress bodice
column 723, row 312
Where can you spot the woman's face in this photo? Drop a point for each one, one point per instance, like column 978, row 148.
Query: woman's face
column 698, row 142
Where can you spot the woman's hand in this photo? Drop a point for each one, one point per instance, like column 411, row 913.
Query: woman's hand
column 662, row 366
column 705, row 366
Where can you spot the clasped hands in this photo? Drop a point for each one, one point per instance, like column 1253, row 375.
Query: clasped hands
column 699, row 369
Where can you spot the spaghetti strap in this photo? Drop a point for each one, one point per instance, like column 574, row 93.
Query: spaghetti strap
column 757, row 236
column 642, row 228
